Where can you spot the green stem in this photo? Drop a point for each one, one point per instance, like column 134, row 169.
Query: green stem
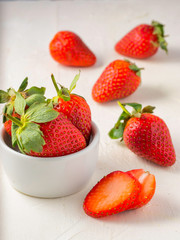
column 15, row 120
column 55, row 84
column 124, row 109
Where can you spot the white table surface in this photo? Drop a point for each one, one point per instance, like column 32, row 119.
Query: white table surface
column 26, row 29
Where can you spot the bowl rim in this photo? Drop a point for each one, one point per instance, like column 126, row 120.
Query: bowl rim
column 95, row 139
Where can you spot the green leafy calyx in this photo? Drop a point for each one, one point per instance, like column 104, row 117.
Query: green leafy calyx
column 12, row 98
column 64, row 92
column 25, row 130
column 117, row 131
column 159, row 32
column 134, row 68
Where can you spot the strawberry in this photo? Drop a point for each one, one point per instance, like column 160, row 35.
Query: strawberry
column 74, row 107
column 42, row 131
column 143, row 41
column 112, row 194
column 119, row 79
column 148, row 186
column 31, row 95
column 68, row 49
column 145, row 134
column 61, row 138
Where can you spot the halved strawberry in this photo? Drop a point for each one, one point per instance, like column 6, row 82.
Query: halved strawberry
column 112, row 194
column 148, row 186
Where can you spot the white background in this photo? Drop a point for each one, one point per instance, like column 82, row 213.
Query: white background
column 26, row 28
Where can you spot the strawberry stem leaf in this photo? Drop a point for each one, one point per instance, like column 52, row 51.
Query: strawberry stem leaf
column 63, row 92
column 117, row 131
column 4, row 96
column 73, row 84
column 134, row 68
column 23, row 85
column 15, row 120
column 30, row 139
column 123, row 108
column 40, row 113
column 148, row 109
column 14, row 139
column 159, row 32
column 19, row 104
column 55, row 84
column 36, row 90
column 35, row 98
column 137, row 107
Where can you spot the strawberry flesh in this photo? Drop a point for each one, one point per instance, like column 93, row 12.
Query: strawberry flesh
column 112, row 194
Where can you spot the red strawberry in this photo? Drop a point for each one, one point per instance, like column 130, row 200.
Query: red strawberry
column 74, row 107
column 148, row 186
column 112, row 194
column 145, row 134
column 119, row 79
column 68, row 49
column 143, row 41
column 44, row 132
column 61, row 138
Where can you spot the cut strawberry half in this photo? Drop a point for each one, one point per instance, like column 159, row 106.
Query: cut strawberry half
column 112, row 194
column 148, row 186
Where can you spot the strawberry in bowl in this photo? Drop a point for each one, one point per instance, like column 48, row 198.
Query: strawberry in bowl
column 46, row 155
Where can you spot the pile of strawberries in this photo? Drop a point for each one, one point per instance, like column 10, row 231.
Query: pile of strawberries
column 62, row 125
column 46, row 127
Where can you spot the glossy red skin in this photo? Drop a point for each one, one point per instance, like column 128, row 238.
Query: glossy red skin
column 149, row 137
column 61, row 138
column 78, row 112
column 68, row 49
column 138, row 43
column 98, row 195
column 117, row 81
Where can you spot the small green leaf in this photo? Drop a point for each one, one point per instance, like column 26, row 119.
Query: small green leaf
column 19, row 104
column 159, row 32
column 36, row 90
column 137, row 107
column 137, row 70
column 123, row 116
column 23, row 85
column 35, row 98
column 14, row 139
column 40, row 113
column 148, row 109
column 73, row 84
column 4, row 112
column 64, row 93
column 31, row 138
column 9, row 109
column 4, row 96
column 116, row 133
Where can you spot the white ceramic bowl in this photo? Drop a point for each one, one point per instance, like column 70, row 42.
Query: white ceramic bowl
column 49, row 177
